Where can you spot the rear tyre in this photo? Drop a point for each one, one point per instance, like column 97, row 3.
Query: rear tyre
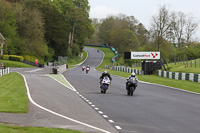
column 131, row 90
column 131, row 93
column 128, row 93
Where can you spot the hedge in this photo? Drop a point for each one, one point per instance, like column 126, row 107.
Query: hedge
column 5, row 57
column 16, row 58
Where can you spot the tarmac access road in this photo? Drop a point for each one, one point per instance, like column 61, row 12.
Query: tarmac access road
column 53, row 105
column 152, row 108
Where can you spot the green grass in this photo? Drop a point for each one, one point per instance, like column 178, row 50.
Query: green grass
column 13, row 98
column 8, row 63
column 60, row 78
column 76, row 60
column 15, row 129
column 180, row 67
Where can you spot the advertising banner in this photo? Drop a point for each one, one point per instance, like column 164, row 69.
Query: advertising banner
column 145, row 55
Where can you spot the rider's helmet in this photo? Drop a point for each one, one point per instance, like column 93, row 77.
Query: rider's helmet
column 132, row 74
column 88, row 66
column 105, row 72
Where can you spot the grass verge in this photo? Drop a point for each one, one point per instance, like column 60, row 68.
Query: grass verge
column 60, row 78
column 8, row 63
column 14, row 129
column 181, row 68
column 77, row 60
column 14, row 99
column 13, row 94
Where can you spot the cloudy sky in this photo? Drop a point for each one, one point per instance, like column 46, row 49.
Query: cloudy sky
column 142, row 10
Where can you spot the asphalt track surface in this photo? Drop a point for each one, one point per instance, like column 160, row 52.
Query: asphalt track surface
column 152, row 109
column 54, row 105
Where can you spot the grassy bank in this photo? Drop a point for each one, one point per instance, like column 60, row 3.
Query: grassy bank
column 13, row 94
column 180, row 67
column 71, row 62
column 8, row 63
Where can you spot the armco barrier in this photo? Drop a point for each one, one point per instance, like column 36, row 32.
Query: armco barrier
column 180, row 76
column 4, row 71
column 58, row 69
column 124, row 69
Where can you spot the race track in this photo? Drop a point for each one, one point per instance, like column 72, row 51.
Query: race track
column 152, row 109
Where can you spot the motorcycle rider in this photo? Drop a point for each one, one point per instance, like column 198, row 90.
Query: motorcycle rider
column 83, row 67
column 104, row 74
column 132, row 75
column 88, row 67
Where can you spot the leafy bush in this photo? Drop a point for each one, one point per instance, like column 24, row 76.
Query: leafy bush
column 16, row 58
column 5, row 57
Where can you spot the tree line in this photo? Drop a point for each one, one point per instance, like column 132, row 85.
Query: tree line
column 170, row 32
column 44, row 28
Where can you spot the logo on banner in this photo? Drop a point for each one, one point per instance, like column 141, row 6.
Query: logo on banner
column 154, row 55
column 145, row 55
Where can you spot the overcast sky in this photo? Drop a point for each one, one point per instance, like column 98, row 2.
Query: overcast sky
column 142, row 10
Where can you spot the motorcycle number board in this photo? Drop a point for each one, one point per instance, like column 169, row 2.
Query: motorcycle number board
column 145, row 55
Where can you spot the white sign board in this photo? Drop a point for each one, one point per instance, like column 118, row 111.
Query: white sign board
column 145, row 55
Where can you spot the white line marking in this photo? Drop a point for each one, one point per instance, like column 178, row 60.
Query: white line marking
column 93, row 105
column 14, row 69
column 90, row 103
column 100, row 112
column 170, row 87
column 87, row 100
column 96, row 108
column 118, row 127
column 105, row 116
column 31, row 100
column 35, row 70
column 111, row 121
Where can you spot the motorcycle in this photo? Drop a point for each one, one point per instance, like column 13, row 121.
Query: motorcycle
column 83, row 68
column 132, row 84
column 87, row 70
column 105, row 84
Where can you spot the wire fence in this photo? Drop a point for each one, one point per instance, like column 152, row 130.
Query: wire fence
column 188, row 63
column 62, row 60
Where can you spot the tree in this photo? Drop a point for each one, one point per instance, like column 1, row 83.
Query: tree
column 142, row 34
column 8, row 28
column 30, row 29
column 160, row 25
column 191, row 27
column 178, row 23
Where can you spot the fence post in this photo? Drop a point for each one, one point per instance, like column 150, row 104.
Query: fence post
column 195, row 63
